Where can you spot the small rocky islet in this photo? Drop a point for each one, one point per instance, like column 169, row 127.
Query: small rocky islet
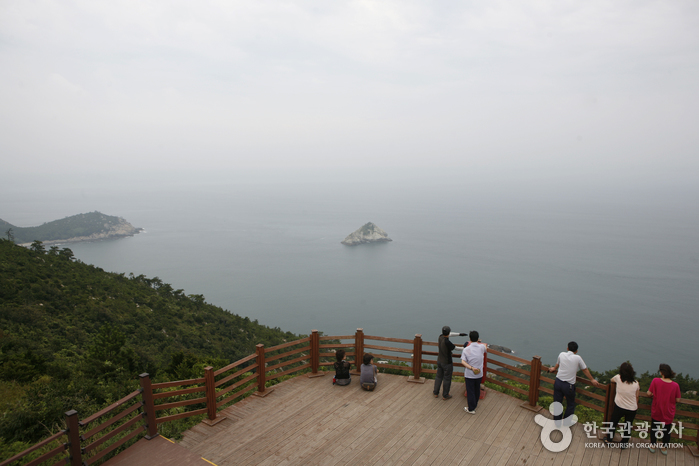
column 369, row 233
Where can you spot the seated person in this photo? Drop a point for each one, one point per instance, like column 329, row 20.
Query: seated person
column 368, row 373
column 342, row 369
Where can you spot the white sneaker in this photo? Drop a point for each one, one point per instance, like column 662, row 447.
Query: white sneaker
column 469, row 412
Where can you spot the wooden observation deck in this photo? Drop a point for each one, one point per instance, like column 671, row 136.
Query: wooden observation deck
column 308, row 420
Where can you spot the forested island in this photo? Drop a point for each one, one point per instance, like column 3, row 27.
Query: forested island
column 73, row 336
column 82, row 227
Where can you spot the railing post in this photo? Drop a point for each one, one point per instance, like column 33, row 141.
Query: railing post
column 609, row 401
column 315, row 354
column 210, row 383
column 534, row 383
column 148, row 406
column 74, row 449
column 694, row 450
column 417, row 360
column 358, row 350
column 261, row 372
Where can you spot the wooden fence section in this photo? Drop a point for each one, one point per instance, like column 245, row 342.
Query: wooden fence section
column 90, row 440
column 139, row 413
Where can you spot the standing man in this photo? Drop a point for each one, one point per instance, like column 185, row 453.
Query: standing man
column 568, row 365
column 445, row 366
column 472, row 360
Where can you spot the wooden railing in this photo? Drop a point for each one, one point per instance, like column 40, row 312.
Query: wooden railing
column 140, row 413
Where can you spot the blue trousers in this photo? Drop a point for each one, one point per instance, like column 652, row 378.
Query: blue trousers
column 473, row 392
column 444, row 372
column 565, row 390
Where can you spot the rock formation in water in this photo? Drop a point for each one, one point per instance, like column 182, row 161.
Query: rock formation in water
column 369, row 233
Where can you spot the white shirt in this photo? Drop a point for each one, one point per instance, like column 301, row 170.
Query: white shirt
column 473, row 356
column 569, row 364
column 626, row 393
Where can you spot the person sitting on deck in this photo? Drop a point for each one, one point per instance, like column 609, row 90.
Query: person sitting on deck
column 368, row 376
column 342, row 369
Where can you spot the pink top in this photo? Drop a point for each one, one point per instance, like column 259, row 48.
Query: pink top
column 664, row 396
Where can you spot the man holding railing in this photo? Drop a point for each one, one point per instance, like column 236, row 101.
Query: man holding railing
column 568, row 365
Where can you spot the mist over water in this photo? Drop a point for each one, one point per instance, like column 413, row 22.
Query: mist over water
column 530, row 269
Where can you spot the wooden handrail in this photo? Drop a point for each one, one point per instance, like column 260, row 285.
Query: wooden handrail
column 340, row 337
column 184, row 391
column 48, row 455
column 179, row 404
column 530, row 377
column 287, row 363
column 235, row 364
column 110, row 421
column 118, row 430
column 111, row 407
column 236, row 385
column 33, row 448
column 274, row 357
column 242, row 371
column 388, row 348
column 508, row 356
column 177, row 383
column 392, row 340
column 286, row 345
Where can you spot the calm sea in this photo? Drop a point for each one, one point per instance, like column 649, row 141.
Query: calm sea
column 529, row 271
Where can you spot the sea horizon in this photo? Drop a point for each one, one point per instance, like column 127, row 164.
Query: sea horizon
column 528, row 271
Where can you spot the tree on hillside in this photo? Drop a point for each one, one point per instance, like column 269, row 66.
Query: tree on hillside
column 67, row 254
column 38, row 246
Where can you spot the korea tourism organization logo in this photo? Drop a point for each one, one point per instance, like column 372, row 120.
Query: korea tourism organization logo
column 550, row 425
column 647, row 434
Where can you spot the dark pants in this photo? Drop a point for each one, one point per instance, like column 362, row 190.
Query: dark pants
column 473, row 392
column 660, row 433
column 628, row 416
column 565, row 390
column 444, row 372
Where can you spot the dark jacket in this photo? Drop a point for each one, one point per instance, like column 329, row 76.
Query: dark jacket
column 342, row 369
column 445, row 349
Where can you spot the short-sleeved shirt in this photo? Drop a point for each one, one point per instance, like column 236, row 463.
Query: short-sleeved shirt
column 569, row 364
column 664, row 399
column 367, row 373
column 473, row 356
column 342, row 369
column 626, row 393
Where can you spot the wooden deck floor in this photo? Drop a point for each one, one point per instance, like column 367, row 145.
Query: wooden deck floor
column 310, row 421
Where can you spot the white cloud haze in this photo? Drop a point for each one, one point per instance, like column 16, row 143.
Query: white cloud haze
column 546, row 86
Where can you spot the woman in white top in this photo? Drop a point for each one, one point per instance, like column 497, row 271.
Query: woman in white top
column 625, row 403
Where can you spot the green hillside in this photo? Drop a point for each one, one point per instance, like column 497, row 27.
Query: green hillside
column 94, row 224
column 73, row 336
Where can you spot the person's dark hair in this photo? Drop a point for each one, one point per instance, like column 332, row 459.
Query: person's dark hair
column 572, row 346
column 666, row 371
column 626, row 372
column 473, row 335
column 367, row 358
column 340, row 355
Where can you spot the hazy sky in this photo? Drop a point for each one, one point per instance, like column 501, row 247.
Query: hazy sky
column 591, row 87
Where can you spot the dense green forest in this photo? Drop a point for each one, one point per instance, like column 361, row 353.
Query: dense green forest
column 73, row 336
column 81, row 225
